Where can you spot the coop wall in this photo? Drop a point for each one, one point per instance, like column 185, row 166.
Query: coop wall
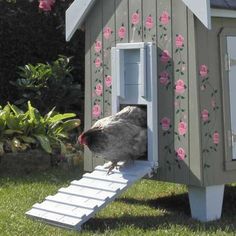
column 170, row 25
column 210, row 84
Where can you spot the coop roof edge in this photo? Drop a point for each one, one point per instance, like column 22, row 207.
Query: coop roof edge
column 78, row 10
column 76, row 14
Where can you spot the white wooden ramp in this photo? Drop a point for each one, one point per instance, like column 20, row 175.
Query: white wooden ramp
column 74, row 205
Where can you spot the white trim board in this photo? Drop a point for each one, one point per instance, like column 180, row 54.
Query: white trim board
column 201, row 9
column 76, row 14
column 223, row 13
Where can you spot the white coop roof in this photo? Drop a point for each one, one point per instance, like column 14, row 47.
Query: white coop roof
column 78, row 10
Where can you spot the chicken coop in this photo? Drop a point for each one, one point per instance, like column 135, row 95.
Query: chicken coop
column 177, row 58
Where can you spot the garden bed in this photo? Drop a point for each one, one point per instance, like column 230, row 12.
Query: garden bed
column 26, row 162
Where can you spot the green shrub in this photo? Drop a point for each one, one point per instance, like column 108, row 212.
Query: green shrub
column 28, row 35
column 21, row 130
column 48, row 85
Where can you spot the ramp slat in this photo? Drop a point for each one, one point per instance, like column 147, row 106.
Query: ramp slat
column 63, row 209
column 114, row 177
column 77, row 203
column 74, row 201
column 97, row 184
column 87, row 192
column 53, row 218
column 127, row 169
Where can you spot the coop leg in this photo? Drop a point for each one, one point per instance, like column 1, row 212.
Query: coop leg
column 206, row 202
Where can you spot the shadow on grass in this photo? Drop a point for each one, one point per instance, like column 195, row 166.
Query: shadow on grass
column 176, row 212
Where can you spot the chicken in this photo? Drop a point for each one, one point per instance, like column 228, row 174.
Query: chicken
column 120, row 137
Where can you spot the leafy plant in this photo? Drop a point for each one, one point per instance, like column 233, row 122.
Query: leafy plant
column 31, row 36
column 48, row 85
column 21, row 130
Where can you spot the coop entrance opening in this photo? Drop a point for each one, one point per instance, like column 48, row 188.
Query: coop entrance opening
column 134, row 74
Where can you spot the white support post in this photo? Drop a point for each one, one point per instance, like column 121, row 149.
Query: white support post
column 206, row 202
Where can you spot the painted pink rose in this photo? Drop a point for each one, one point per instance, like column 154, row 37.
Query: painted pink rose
column 165, row 123
column 46, row 5
column 180, row 86
column 180, row 153
column 98, row 62
column 182, row 128
column 179, row 41
column 203, row 71
column 98, row 46
column 165, row 18
column 99, row 89
column 135, row 18
column 165, row 56
column 96, row 111
column 149, row 22
column 108, row 81
column 107, row 32
column 205, row 115
column 164, row 78
column 216, row 138
column 122, row 32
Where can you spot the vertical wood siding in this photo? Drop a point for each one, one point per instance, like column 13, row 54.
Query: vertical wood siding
column 165, row 90
column 164, row 22
column 181, row 86
column 135, row 21
column 122, row 21
column 195, row 165
column 95, row 20
column 211, row 106
column 88, row 88
column 108, row 43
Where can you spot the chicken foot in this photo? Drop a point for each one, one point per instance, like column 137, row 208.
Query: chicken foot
column 111, row 166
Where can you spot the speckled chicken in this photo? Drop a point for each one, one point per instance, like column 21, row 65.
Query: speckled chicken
column 120, row 137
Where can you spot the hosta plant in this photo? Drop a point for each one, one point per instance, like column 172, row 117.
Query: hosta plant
column 22, row 130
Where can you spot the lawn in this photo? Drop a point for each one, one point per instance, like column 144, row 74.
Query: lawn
column 147, row 208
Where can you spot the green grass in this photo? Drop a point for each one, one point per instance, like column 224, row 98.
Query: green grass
column 147, row 208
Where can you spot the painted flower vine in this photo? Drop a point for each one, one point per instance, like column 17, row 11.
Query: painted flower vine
column 209, row 113
column 107, row 79
column 180, row 130
column 148, row 27
column 135, row 24
column 98, row 83
column 180, row 88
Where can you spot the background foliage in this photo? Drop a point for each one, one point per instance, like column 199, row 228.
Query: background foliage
column 28, row 35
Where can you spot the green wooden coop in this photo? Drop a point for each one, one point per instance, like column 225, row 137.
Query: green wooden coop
column 178, row 58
